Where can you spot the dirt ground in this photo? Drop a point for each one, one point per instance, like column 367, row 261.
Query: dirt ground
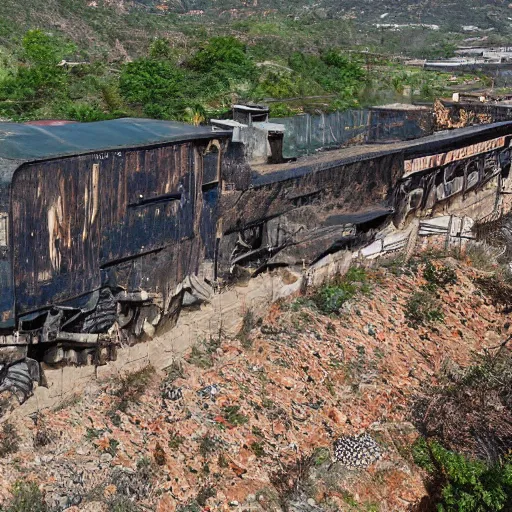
column 248, row 422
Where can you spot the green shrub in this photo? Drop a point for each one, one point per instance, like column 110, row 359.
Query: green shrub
column 158, row 86
column 233, row 416
column 423, row 308
column 175, row 441
column 160, row 49
column 224, row 55
column 282, row 110
column 202, row 354
column 462, row 484
column 26, row 498
column 132, row 386
column 438, row 276
column 39, row 78
column 330, row 298
column 85, row 113
column 258, row 449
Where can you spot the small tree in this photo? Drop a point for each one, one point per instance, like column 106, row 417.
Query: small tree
column 224, row 55
column 157, row 86
column 40, row 78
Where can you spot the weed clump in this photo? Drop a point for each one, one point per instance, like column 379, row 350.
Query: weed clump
column 423, row 308
column 498, row 288
column 132, row 386
column 26, row 498
column 9, row 440
column 202, row 354
column 174, row 372
column 43, row 437
column 481, row 257
column 291, row 480
column 208, row 445
column 233, row 416
column 175, row 441
column 136, row 485
column 438, row 276
column 248, row 324
column 329, row 299
column 257, row 448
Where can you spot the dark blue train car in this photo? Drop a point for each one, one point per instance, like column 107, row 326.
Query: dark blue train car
column 99, row 225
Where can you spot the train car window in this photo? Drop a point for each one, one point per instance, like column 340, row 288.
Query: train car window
column 211, row 165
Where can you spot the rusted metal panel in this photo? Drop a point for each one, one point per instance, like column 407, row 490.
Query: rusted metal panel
column 74, row 216
column 55, row 232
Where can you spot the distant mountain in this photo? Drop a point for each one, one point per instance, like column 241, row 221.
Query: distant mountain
column 121, row 28
column 457, row 14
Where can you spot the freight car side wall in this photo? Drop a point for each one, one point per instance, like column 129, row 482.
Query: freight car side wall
column 80, row 223
column 55, row 250
column 305, row 213
column 344, row 188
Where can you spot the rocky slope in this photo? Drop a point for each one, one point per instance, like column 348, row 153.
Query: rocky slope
column 249, row 423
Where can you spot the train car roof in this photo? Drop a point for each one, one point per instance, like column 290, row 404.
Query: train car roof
column 28, row 142
column 438, row 142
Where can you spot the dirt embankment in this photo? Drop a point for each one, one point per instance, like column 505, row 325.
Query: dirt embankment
column 248, row 423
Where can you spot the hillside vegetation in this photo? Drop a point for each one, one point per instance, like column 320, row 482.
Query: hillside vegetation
column 49, row 76
column 98, row 24
column 189, row 60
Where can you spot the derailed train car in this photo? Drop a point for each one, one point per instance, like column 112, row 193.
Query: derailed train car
column 297, row 212
column 99, row 226
column 105, row 228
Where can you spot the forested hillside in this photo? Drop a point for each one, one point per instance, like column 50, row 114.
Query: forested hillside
column 96, row 59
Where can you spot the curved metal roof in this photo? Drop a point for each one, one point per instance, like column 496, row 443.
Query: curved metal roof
column 25, row 143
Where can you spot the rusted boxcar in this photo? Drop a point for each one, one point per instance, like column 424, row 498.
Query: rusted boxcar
column 100, row 223
column 107, row 229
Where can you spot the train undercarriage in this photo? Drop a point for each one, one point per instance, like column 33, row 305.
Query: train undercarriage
column 66, row 336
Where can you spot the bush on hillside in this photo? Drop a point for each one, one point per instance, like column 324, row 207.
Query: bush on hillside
column 462, row 484
column 331, row 297
column 423, row 308
column 466, row 424
column 471, row 410
column 224, row 55
column 26, row 498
